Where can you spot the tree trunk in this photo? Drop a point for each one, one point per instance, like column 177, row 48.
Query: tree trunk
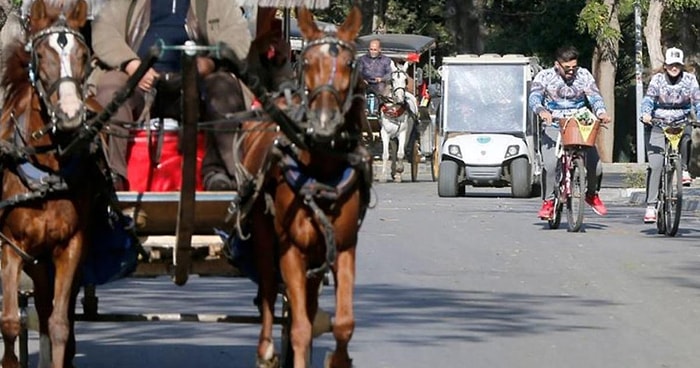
column 604, row 70
column 463, row 19
column 367, row 7
column 652, row 33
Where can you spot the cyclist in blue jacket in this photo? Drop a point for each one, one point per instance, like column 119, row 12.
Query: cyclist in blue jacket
column 671, row 95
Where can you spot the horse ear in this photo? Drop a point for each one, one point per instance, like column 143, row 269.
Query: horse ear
column 393, row 66
column 351, row 27
column 307, row 26
column 78, row 16
column 37, row 11
column 405, row 66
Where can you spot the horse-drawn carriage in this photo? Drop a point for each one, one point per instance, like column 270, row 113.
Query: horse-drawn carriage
column 412, row 132
column 303, row 187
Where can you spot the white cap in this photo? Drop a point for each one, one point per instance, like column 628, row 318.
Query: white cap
column 674, row 56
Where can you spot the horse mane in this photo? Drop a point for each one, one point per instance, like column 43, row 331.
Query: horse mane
column 16, row 76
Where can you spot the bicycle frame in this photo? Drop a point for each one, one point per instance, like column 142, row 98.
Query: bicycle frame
column 571, row 168
column 670, row 192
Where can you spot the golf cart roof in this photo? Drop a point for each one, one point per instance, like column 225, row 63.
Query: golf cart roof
column 396, row 45
column 295, row 38
column 490, row 59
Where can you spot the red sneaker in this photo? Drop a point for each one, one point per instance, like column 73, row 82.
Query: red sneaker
column 598, row 207
column 547, row 210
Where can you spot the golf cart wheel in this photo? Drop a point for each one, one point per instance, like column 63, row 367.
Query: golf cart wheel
column 520, row 182
column 447, row 180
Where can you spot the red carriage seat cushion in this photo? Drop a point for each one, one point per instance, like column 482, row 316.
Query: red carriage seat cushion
column 167, row 175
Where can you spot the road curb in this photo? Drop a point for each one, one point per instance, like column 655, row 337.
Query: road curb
column 637, row 196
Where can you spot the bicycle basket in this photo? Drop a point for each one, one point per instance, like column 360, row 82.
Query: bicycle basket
column 574, row 133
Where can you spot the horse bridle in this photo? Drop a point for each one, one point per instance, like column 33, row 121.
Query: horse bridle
column 334, row 44
column 61, row 28
column 394, row 89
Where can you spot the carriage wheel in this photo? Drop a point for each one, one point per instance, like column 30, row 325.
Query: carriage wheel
column 415, row 160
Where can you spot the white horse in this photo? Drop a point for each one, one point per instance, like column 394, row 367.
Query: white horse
column 397, row 121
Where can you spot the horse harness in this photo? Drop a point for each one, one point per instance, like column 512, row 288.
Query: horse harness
column 286, row 152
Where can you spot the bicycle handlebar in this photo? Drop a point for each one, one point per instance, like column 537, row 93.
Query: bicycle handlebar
column 672, row 122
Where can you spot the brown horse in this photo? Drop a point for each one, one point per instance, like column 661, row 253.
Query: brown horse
column 309, row 191
column 46, row 195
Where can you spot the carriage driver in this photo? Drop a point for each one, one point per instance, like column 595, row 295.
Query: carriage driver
column 375, row 69
column 123, row 32
column 557, row 93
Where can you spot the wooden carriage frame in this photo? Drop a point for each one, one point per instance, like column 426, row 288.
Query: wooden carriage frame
column 403, row 47
column 196, row 213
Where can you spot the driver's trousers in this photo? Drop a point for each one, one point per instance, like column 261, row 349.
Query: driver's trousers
column 220, row 95
column 548, row 146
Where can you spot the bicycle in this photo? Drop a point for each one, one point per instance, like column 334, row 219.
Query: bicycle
column 575, row 135
column 670, row 200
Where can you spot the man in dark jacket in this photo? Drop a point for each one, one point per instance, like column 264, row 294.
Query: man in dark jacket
column 121, row 36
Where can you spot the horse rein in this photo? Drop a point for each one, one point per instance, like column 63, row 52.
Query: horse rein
column 61, row 28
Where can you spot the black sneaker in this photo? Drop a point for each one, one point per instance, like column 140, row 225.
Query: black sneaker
column 218, row 182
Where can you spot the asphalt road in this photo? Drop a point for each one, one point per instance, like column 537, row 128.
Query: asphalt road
column 476, row 281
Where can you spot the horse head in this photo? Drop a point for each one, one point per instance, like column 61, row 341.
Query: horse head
column 399, row 80
column 59, row 61
column 328, row 74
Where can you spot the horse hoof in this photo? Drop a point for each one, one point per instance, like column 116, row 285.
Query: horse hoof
column 328, row 361
column 397, row 178
column 273, row 362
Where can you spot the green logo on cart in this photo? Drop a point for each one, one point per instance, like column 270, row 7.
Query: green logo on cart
column 483, row 140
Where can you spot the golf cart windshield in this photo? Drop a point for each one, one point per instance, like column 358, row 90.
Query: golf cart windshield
column 485, row 98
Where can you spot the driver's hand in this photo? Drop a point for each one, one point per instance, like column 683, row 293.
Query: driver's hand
column 378, row 80
column 604, row 118
column 646, row 118
column 148, row 80
column 546, row 116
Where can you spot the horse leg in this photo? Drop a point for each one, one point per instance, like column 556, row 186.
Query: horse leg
column 400, row 153
column 263, row 243
column 293, row 269
column 11, row 268
column 66, row 262
column 43, row 300
column 385, row 155
column 344, row 323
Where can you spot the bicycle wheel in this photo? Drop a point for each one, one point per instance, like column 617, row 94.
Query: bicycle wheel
column 555, row 221
column 556, row 218
column 673, row 195
column 575, row 201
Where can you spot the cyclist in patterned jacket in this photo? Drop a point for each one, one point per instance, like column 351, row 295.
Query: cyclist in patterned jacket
column 671, row 94
column 559, row 92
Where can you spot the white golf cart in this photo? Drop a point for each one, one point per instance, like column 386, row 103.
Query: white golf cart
column 488, row 136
